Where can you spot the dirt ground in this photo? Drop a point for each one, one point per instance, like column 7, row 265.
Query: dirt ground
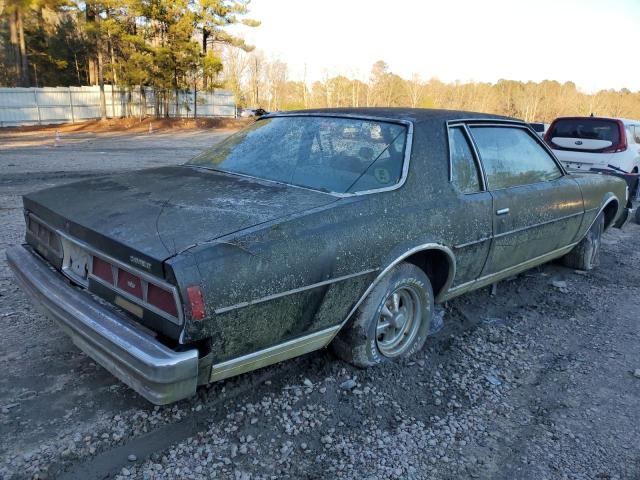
column 129, row 125
column 535, row 382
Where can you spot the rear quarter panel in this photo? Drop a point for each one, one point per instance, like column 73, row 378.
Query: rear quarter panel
column 597, row 191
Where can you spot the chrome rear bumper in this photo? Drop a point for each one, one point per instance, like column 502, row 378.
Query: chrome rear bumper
column 156, row 372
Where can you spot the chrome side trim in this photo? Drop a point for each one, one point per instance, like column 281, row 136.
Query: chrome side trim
column 540, row 224
column 468, row 244
column 494, row 277
column 274, row 354
column 267, row 298
column 419, row 248
column 134, row 271
column 156, row 372
column 407, row 150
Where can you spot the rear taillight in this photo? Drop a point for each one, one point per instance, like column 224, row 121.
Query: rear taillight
column 148, row 292
column 621, row 146
column 196, row 300
column 547, row 135
column 44, row 235
column 102, row 269
column 162, row 299
column 129, row 283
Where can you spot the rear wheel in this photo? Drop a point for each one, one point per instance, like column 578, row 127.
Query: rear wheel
column 392, row 322
column 586, row 254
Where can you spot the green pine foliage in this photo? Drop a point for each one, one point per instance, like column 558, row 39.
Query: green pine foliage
column 165, row 44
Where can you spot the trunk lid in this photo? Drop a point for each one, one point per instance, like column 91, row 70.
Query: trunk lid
column 144, row 217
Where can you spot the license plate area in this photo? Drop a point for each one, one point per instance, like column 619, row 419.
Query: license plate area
column 76, row 262
column 577, row 166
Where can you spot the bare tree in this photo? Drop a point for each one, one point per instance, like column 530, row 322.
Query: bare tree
column 415, row 90
column 236, row 64
column 256, row 72
column 276, row 76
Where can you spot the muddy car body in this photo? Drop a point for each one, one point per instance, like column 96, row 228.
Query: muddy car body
column 179, row 276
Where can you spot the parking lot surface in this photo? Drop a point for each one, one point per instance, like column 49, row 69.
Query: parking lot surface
column 540, row 380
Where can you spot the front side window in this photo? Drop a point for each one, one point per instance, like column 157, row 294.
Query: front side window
column 330, row 154
column 464, row 170
column 511, row 157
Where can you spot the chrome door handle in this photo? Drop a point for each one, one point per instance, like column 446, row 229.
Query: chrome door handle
column 502, row 211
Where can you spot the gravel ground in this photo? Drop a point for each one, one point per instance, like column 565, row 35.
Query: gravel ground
column 539, row 381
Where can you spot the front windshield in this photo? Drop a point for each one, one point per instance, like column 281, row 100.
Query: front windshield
column 331, row 154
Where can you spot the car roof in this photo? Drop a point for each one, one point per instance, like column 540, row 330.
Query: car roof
column 626, row 121
column 415, row 115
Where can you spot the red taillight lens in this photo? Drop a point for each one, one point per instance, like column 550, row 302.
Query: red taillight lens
column 547, row 135
column 44, row 234
column 196, row 300
column 102, row 269
column 621, row 146
column 129, row 283
column 162, row 299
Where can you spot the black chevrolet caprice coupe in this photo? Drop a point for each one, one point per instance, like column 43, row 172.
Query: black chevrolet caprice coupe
column 306, row 228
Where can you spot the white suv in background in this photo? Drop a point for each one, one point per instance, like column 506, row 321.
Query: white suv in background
column 539, row 127
column 582, row 143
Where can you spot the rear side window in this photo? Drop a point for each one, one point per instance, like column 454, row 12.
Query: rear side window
column 537, row 127
column 512, row 157
column 635, row 133
column 586, row 129
column 330, row 154
column 465, row 176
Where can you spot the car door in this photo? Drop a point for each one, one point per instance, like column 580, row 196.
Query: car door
column 537, row 209
column 473, row 209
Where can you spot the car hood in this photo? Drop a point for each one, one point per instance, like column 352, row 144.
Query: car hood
column 161, row 212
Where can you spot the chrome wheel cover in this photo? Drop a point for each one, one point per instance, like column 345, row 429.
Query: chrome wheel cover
column 398, row 322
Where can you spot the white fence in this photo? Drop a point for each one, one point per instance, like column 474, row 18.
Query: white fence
column 29, row 106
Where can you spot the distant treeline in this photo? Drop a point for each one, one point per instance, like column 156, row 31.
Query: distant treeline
column 175, row 45
column 530, row 101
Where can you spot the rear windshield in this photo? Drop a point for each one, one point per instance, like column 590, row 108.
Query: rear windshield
column 340, row 155
column 587, row 128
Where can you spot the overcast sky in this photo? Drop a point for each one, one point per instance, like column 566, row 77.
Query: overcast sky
column 595, row 44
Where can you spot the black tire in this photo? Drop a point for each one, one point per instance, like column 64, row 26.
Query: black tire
column 636, row 216
column 586, row 254
column 363, row 341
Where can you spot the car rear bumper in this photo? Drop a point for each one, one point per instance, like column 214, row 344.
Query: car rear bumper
column 156, row 372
